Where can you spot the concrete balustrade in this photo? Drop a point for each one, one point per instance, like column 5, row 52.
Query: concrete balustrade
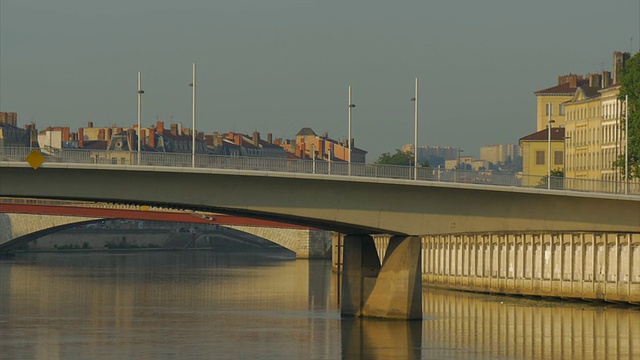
column 589, row 266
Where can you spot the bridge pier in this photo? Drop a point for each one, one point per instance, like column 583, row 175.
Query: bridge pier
column 392, row 289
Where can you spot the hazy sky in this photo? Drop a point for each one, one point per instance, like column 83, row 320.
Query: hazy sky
column 280, row 65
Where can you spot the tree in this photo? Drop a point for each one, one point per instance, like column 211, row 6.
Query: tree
column 629, row 80
column 400, row 158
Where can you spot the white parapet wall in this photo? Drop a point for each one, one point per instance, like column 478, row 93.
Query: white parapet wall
column 589, row 266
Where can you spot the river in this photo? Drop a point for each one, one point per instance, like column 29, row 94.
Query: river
column 205, row 305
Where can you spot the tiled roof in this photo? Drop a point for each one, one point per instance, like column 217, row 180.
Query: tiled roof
column 557, row 134
column 563, row 89
column 306, row 132
column 95, row 144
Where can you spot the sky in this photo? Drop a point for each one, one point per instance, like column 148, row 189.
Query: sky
column 277, row 66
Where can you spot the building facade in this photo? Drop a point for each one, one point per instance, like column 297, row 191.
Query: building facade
column 535, row 155
column 593, row 117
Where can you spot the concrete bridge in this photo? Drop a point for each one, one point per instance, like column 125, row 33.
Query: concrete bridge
column 357, row 206
column 21, row 223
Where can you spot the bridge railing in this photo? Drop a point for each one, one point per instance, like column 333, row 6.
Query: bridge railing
column 320, row 167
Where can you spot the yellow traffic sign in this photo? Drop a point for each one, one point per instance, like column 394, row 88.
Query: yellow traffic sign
column 35, row 159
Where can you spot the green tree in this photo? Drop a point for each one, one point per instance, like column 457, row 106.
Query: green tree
column 399, row 158
column 629, row 80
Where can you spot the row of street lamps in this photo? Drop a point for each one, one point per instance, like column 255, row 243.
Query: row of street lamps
column 193, row 113
column 351, row 105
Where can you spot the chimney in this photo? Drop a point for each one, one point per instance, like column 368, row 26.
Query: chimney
column 152, row 138
column 160, row 127
column 130, row 138
column 595, row 80
column 619, row 60
column 606, row 79
column 109, row 133
column 80, row 138
column 90, row 124
column 256, row 138
column 217, row 140
column 270, row 138
column 143, row 139
column 573, row 80
column 101, row 134
column 174, row 129
column 179, row 128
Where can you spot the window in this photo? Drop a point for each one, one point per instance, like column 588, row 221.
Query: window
column 549, row 109
column 539, row 157
column 561, row 110
column 558, row 158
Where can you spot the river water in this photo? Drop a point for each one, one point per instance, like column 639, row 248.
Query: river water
column 203, row 305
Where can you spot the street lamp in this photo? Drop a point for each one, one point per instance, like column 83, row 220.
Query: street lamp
column 564, row 162
column 549, row 128
column 351, row 106
column 626, row 144
column 458, row 170
column 415, row 134
column 140, row 92
column 193, row 116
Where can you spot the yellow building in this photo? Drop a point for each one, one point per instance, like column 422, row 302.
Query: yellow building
column 535, row 155
column 584, row 133
column 589, row 109
column 551, row 102
column 595, row 133
column 613, row 136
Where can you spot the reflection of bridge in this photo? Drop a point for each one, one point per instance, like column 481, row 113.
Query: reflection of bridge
column 362, row 204
column 27, row 221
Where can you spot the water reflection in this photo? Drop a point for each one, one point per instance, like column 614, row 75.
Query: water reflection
column 204, row 305
column 381, row 339
column 466, row 325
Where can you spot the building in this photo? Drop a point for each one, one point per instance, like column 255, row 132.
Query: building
column 238, row 144
column 535, row 155
column 589, row 109
column 500, row 154
column 308, row 145
column 551, row 102
column 9, row 118
column 595, row 132
column 12, row 136
column 435, row 155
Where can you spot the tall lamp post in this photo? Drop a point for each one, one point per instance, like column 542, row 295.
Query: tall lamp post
column 193, row 116
column 458, row 170
column 415, row 133
column 626, row 144
column 140, row 92
column 351, row 106
column 549, row 128
column 564, row 162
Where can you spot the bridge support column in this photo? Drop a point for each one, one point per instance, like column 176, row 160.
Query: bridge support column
column 391, row 290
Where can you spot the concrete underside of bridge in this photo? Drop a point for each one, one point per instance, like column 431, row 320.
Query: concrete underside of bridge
column 390, row 290
column 18, row 229
column 347, row 205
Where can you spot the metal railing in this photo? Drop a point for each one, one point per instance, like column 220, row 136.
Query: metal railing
column 320, row 167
